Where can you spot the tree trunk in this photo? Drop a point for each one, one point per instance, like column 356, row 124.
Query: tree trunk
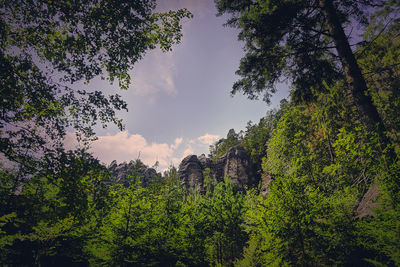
column 358, row 87
column 367, row 111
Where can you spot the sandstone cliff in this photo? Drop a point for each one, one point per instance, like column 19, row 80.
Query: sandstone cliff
column 235, row 163
column 123, row 173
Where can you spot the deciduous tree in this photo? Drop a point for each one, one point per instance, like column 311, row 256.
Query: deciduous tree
column 47, row 46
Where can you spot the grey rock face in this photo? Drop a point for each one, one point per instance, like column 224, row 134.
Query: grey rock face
column 149, row 175
column 191, row 172
column 239, row 167
column 266, row 181
column 205, row 162
column 368, row 203
column 235, row 163
column 218, row 169
column 113, row 165
column 122, row 173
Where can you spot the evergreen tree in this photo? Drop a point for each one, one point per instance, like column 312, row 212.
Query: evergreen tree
column 295, row 40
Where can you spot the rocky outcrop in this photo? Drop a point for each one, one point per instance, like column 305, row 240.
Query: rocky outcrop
column 266, row 181
column 235, row 163
column 126, row 173
column 368, row 202
column 239, row 167
column 191, row 172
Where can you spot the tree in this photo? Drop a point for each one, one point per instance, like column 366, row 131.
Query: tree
column 224, row 144
column 47, row 46
column 306, row 218
column 379, row 59
column 296, row 40
column 298, row 225
column 221, row 216
column 51, row 218
column 257, row 135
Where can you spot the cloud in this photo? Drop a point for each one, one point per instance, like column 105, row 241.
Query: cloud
column 196, row 146
column 178, row 142
column 188, row 151
column 200, row 8
column 154, row 74
column 70, row 141
column 208, row 139
column 124, row 146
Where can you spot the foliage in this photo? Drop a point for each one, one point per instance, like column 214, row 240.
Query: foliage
column 223, row 145
column 287, row 39
column 297, row 224
column 82, row 217
column 322, row 162
column 161, row 227
column 380, row 236
column 257, row 135
column 48, row 47
column 320, row 157
column 379, row 59
column 223, row 209
column 306, row 43
column 48, row 219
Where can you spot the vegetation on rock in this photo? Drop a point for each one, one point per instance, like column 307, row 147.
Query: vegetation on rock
column 333, row 196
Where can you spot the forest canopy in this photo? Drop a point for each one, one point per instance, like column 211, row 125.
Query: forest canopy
column 326, row 160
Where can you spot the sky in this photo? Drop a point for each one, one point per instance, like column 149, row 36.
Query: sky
column 179, row 102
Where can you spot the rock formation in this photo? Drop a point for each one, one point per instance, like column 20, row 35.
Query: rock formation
column 124, row 173
column 191, row 172
column 235, row 163
column 266, row 181
column 368, row 203
column 239, row 167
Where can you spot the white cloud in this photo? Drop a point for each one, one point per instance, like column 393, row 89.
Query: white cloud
column 208, row 139
column 154, row 74
column 124, row 146
column 188, row 151
column 70, row 141
column 178, row 142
